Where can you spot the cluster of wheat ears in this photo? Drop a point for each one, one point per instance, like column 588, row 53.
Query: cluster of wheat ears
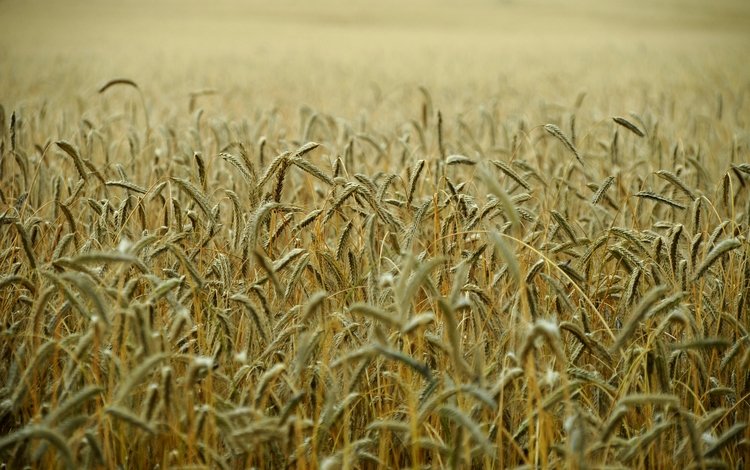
column 454, row 291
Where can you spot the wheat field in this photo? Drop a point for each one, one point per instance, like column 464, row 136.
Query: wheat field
column 487, row 234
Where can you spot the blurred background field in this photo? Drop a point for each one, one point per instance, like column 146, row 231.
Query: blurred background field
column 343, row 56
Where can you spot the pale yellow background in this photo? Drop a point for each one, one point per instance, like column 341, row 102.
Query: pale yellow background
column 344, row 55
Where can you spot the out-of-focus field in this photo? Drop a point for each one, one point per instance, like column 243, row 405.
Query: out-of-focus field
column 332, row 54
column 424, row 234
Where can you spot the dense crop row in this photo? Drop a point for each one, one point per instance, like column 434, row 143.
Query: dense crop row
column 455, row 290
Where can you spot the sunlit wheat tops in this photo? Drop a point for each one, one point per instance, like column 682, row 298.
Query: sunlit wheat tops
column 407, row 289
